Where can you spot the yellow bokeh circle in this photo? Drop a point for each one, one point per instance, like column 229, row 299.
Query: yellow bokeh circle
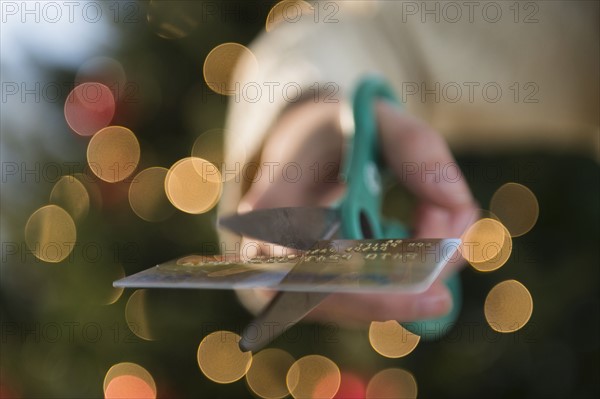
column 287, row 11
column 130, row 369
column 221, row 359
column 508, row 306
column 486, row 245
column 147, row 196
column 517, row 208
column 70, row 194
column 392, row 383
column 225, row 63
column 50, row 234
column 136, row 315
column 193, row 185
column 267, row 375
column 313, row 376
column 113, row 153
column 391, row 340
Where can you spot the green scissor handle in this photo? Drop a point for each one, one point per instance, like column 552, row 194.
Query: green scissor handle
column 363, row 169
column 361, row 207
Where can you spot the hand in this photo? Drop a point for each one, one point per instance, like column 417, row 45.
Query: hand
column 309, row 135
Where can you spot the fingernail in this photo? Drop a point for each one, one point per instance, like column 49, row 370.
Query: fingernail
column 433, row 305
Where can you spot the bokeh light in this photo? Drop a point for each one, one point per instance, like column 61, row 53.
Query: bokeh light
column 113, row 153
column 223, row 62
column 288, row 11
column 210, row 146
column 267, row 375
column 362, row 8
column 50, row 233
column 172, row 19
column 104, row 70
column 147, row 195
column 89, row 107
column 486, row 245
column 90, row 182
column 193, row 185
column 70, row 194
column 352, row 386
column 136, row 315
column 508, row 306
column 132, row 370
column 517, row 208
column 221, row 359
column 392, row 383
column 129, row 387
column 313, row 376
column 114, row 293
column 390, row 339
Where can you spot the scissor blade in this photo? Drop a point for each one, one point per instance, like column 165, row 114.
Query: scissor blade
column 298, row 228
column 285, row 310
column 335, row 266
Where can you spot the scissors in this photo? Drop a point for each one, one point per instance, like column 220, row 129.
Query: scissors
column 356, row 217
column 345, row 248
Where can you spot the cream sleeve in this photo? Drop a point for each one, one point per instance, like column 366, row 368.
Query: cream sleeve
column 296, row 61
column 487, row 76
column 495, row 77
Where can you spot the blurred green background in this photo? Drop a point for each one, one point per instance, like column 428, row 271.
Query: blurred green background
column 59, row 337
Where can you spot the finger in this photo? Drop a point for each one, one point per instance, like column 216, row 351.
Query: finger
column 421, row 159
column 423, row 162
column 300, row 160
column 352, row 310
column 435, row 221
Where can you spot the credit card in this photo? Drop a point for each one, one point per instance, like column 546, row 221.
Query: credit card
column 351, row 266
